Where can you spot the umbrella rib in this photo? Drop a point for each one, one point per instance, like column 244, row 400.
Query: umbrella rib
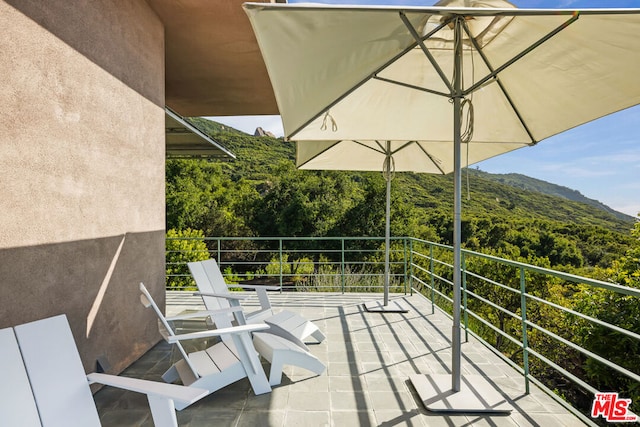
column 402, row 147
column 516, row 58
column 497, row 80
column 410, row 86
column 318, row 154
column 425, row 50
column 479, row 84
column 364, row 80
column 381, row 151
column 433, row 159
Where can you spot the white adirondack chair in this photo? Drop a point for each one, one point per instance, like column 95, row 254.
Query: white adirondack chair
column 44, row 384
column 224, row 363
column 286, row 324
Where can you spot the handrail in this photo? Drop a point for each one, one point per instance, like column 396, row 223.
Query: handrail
column 347, row 264
column 293, row 263
column 428, row 279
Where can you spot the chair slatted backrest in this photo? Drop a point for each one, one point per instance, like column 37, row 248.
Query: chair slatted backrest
column 17, row 404
column 212, row 270
column 209, row 279
column 206, row 285
column 219, row 286
column 56, row 374
column 167, row 330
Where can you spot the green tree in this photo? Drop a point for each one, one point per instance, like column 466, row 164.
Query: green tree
column 616, row 309
column 202, row 195
column 503, row 289
column 366, row 215
column 183, row 246
column 302, row 203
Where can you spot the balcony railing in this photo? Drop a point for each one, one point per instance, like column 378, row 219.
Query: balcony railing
column 537, row 319
column 336, row 264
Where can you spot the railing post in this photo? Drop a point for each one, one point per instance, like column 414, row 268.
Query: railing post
column 464, row 296
column 433, row 280
column 342, row 264
column 525, row 345
column 404, row 259
column 281, row 267
column 411, row 266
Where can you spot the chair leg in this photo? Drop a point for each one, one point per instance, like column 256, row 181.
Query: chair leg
column 318, row 335
column 275, row 375
column 251, row 363
column 163, row 411
column 171, row 375
column 280, row 358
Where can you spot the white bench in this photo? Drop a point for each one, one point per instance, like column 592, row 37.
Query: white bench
column 44, row 384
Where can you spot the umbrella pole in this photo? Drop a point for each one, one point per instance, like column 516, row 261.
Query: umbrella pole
column 385, row 306
column 387, row 235
column 387, row 229
column 457, row 207
column 478, row 394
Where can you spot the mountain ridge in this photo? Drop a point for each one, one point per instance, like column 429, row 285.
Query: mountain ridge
column 525, row 182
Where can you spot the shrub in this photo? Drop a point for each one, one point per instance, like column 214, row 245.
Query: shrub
column 183, row 246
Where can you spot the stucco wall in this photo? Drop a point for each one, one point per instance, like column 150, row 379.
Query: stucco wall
column 82, row 170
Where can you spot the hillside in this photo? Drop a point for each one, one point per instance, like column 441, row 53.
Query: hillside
column 485, row 193
column 527, row 183
column 509, row 194
column 261, row 193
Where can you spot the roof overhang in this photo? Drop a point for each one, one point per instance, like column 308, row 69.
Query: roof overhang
column 213, row 66
column 185, row 140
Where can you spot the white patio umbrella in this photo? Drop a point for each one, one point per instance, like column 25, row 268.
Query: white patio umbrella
column 407, row 73
column 386, row 156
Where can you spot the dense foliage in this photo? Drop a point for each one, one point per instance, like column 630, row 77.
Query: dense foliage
column 183, row 246
column 261, row 193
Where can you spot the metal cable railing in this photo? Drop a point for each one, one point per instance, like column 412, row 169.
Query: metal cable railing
column 529, row 327
column 303, row 263
column 524, row 313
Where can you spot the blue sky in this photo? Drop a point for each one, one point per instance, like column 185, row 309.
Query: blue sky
column 600, row 159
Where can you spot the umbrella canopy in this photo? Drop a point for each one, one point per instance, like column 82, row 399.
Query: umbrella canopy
column 408, row 156
column 385, row 156
column 466, row 79
column 386, row 73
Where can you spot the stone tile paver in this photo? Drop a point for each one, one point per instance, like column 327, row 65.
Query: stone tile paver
column 369, row 357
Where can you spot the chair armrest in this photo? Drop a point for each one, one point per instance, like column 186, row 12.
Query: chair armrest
column 217, row 332
column 261, row 292
column 254, row 287
column 177, row 393
column 226, row 296
column 204, row 313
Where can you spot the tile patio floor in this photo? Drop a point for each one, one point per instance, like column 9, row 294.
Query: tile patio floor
column 369, row 357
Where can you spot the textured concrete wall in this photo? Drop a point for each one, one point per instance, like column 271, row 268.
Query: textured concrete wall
column 82, row 170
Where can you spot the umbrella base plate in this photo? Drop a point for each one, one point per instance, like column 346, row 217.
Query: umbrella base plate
column 379, row 307
column 476, row 395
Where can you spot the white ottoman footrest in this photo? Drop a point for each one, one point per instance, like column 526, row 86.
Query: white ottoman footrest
column 280, row 351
